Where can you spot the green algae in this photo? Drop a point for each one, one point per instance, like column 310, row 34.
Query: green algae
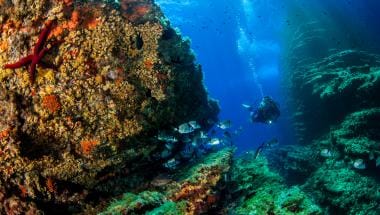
column 337, row 112
column 169, row 208
column 345, row 190
column 134, row 203
column 357, row 135
column 258, row 190
column 186, row 192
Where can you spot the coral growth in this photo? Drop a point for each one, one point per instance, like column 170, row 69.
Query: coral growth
column 51, row 103
column 194, row 189
column 337, row 121
column 121, row 75
column 345, row 190
column 257, row 190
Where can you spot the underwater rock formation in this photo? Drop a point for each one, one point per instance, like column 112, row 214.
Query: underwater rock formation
column 84, row 89
column 257, row 190
column 192, row 189
column 337, row 114
column 343, row 190
column 325, row 92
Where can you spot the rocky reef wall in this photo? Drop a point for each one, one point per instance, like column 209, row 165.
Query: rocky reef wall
column 336, row 104
column 85, row 87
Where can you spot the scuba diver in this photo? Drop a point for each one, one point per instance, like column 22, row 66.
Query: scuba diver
column 267, row 112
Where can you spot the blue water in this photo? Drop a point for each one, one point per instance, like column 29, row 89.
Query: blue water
column 240, row 43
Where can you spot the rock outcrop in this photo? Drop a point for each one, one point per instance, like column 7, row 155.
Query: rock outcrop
column 337, row 113
column 79, row 121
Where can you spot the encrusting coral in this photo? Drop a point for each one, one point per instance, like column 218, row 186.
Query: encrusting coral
column 255, row 189
column 103, row 79
column 192, row 189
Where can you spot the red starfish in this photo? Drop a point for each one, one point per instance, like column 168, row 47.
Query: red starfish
column 37, row 55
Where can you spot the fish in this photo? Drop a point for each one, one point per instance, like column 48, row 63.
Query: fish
column 161, row 180
column 165, row 154
column 166, row 138
column 185, row 128
column 378, row 162
column 248, row 107
column 171, row 164
column 326, row 153
column 359, row 164
column 226, row 124
column 194, row 124
column 170, row 146
column 203, row 135
column 215, row 141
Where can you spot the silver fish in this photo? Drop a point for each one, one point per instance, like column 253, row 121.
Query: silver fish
column 166, row 138
column 359, row 164
column 194, row 124
column 226, row 124
column 161, row 180
column 165, row 154
column 326, row 153
column 169, row 146
column 185, row 128
column 171, row 164
column 203, row 135
column 215, row 141
column 248, row 107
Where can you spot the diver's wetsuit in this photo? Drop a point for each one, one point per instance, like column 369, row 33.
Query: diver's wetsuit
column 267, row 112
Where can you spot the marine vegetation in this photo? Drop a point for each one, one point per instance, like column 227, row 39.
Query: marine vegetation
column 192, row 189
column 255, row 189
column 85, row 86
column 336, row 120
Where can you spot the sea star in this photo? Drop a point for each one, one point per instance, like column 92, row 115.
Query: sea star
column 38, row 53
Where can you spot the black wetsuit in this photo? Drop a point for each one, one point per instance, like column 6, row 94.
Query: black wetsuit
column 267, row 112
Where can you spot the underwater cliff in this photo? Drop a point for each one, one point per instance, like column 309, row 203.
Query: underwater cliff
column 85, row 88
column 333, row 91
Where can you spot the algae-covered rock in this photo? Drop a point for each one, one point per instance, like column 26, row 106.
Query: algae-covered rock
column 192, row 189
column 358, row 136
column 294, row 162
column 344, row 190
column 105, row 78
column 337, row 120
column 135, row 204
column 324, row 92
column 258, row 190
